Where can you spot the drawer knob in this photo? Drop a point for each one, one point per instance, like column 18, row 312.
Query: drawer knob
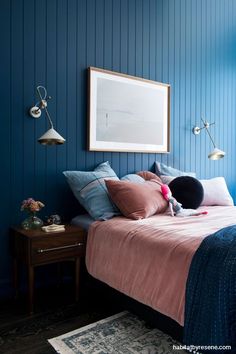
column 43, row 250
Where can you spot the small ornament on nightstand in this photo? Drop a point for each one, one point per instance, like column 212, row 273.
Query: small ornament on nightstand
column 32, row 206
column 53, row 219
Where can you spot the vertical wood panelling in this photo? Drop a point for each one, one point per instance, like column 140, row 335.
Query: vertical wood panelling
column 187, row 43
column 116, row 36
column 99, row 45
column 171, row 78
column 138, row 59
column 51, row 82
column 131, row 64
column 146, row 61
column 176, row 86
column 107, row 49
column 123, row 65
column 5, row 94
column 17, row 109
column 152, row 51
column 71, row 103
column 28, row 91
column 188, row 123
column 90, row 51
column 193, row 79
column 165, row 52
column 40, row 40
column 62, row 64
column 81, row 88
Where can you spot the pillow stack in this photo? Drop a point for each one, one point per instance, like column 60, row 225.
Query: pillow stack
column 136, row 196
column 104, row 196
column 215, row 191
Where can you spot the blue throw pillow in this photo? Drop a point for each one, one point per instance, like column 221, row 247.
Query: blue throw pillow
column 162, row 170
column 91, row 191
column 133, row 178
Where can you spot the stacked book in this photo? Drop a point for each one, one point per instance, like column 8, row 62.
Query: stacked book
column 53, row 228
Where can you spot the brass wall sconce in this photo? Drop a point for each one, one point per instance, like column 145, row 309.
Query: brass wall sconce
column 51, row 137
column 216, row 153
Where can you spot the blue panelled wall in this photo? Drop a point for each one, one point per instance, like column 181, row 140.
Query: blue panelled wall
column 188, row 43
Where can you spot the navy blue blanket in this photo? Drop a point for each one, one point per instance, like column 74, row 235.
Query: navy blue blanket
column 210, row 310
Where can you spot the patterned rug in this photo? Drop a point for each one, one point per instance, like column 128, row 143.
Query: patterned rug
column 123, row 333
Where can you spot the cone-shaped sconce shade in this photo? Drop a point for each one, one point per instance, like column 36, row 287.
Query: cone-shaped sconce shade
column 51, row 137
column 216, row 154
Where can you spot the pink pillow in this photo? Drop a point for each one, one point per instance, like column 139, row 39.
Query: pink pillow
column 137, row 200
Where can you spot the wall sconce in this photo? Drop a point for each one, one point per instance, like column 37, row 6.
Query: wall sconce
column 216, row 153
column 51, row 137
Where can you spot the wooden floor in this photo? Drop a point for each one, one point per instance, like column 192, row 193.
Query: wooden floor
column 55, row 314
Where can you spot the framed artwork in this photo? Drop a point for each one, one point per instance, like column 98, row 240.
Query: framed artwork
column 127, row 113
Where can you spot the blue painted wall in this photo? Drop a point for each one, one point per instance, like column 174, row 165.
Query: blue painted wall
column 187, row 43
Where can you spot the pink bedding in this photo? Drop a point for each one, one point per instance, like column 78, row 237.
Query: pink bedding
column 149, row 259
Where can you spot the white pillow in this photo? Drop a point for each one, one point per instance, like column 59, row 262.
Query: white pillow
column 166, row 179
column 216, row 192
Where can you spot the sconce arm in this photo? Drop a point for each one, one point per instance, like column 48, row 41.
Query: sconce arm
column 206, row 126
column 43, row 103
column 208, row 132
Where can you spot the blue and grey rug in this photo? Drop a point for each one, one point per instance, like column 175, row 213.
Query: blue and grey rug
column 122, row 333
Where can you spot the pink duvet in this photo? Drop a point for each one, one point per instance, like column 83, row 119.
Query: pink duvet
column 149, row 259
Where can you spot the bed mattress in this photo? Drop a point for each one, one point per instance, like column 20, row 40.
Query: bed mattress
column 84, row 221
column 149, row 259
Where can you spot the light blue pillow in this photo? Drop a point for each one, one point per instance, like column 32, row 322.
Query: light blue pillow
column 133, row 178
column 162, row 170
column 90, row 190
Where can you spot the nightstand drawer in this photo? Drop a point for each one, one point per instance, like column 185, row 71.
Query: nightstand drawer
column 56, row 248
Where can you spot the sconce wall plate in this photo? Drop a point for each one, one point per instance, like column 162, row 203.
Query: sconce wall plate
column 196, row 130
column 35, row 112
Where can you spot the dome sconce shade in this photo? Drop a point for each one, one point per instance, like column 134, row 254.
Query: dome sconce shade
column 216, row 153
column 51, row 137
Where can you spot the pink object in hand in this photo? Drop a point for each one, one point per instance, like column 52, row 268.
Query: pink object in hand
column 166, row 191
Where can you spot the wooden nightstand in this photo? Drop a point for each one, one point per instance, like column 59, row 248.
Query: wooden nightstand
column 35, row 247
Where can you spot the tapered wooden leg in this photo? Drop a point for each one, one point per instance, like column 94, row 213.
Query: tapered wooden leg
column 59, row 275
column 77, row 278
column 31, row 288
column 15, row 277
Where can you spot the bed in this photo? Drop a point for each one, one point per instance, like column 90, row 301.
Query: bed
column 181, row 267
column 149, row 259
